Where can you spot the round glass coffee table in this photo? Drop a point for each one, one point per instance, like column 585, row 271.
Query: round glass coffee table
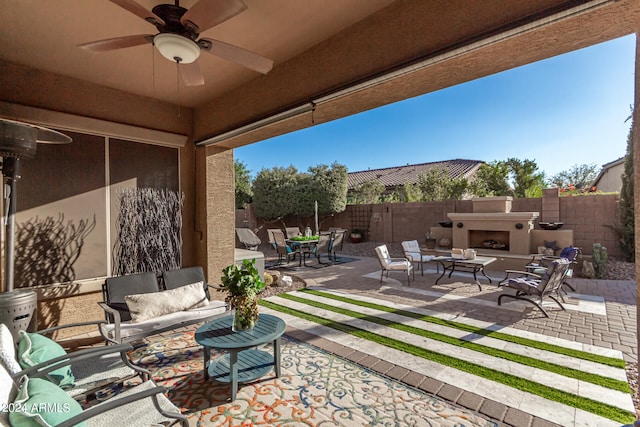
column 241, row 362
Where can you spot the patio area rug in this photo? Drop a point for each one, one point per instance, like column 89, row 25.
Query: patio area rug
column 315, row 389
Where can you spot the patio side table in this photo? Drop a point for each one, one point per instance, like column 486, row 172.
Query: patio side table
column 241, row 363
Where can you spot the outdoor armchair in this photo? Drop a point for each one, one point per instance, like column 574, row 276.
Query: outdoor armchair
column 248, row 238
column 413, row 253
column 39, row 401
column 82, row 373
column 531, row 287
column 393, row 264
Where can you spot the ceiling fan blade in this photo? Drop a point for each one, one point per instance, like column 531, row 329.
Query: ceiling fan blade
column 191, row 74
column 141, row 11
column 117, row 43
column 208, row 13
column 236, row 54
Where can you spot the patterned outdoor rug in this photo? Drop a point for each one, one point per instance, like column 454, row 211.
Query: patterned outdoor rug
column 315, row 389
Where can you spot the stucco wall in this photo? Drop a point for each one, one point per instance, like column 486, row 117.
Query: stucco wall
column 611, row 179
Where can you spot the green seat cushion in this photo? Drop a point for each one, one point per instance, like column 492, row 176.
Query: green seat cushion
column 34, row 349
column 42, row 403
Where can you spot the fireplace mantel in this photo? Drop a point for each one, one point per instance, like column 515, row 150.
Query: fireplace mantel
column 495, row 216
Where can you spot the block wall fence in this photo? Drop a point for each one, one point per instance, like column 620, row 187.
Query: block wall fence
column 590, row 217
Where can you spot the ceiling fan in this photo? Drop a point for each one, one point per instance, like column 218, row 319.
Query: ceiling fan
column 177, row 39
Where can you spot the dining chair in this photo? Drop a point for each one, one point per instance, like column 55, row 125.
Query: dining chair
column 292, row 232
column 323, row 246
column 282, row 248
column 336, row 243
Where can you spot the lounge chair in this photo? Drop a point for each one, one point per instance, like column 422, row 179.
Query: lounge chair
column 413, row 253
column 248, row 238
column 393, row 264
column 540, row 265
column 530, row 286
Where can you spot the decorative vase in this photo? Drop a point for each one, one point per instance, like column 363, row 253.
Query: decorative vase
column 356, row 237
column 245, row 316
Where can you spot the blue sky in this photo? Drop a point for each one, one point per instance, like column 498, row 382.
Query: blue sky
column 560, row 112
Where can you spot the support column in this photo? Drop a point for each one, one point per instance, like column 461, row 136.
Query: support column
column 220, row 211
column 636, row 175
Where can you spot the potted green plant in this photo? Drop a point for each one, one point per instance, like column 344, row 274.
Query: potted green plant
column 243, row 284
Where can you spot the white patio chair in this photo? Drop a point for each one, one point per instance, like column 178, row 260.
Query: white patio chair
column 393, row 264
column 413, row 253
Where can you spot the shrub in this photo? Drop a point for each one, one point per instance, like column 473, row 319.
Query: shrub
column 600, row 260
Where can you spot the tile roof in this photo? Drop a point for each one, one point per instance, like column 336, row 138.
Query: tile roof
column 395, row 176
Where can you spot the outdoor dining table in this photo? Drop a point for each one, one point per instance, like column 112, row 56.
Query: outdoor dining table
column 302, row 245
column 472, row 265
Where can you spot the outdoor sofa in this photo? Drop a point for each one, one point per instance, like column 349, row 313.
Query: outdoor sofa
column 140, row 305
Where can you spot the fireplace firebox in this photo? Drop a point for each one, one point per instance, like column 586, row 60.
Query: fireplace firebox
column 484, row 239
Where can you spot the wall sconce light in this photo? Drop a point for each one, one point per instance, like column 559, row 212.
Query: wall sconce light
column 459, row 225
column 519, row 226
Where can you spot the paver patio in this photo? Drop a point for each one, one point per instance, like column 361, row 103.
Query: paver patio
column 600, row 314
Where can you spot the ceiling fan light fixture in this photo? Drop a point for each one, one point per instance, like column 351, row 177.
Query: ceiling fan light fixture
column 177, row 48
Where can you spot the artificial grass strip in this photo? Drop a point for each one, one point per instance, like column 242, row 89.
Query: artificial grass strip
column 550, row 393
column 603, row 360
column 600, row 380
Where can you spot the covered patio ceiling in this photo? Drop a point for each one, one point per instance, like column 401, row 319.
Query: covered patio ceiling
column 331, row 58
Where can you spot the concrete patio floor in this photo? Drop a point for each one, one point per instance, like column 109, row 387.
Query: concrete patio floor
column 600, row 313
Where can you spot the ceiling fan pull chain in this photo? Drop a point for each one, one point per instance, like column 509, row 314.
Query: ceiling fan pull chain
column 178, row 83
column 153, row 72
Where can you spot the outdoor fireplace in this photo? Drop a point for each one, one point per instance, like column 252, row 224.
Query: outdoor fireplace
column 492, row 227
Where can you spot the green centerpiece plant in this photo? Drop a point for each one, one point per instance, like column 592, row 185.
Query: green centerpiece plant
column 304, row 238
column 243, row 284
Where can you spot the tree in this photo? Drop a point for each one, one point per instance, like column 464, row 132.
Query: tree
column 437, row 184
column 409, row 193
column 367, row 192
column 492, row 179
column 275, row 191
column 330, row 185
column 528, row 182
column 279, row 192
column 578, row 176
column 325, row 184
column 243, row 184
column 626, row 226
